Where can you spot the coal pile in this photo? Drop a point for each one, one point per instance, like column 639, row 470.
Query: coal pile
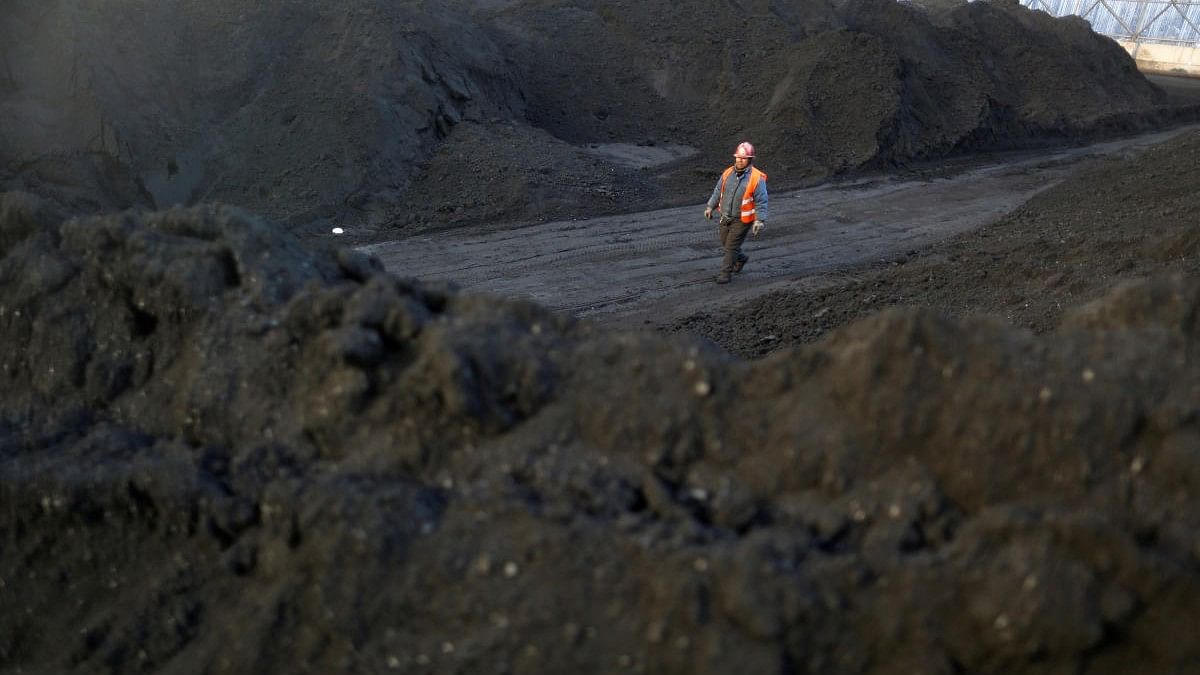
column 384, row 117
column 223, row 452
column 226, row 447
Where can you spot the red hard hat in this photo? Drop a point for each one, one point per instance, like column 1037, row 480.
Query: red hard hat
column 744, row 150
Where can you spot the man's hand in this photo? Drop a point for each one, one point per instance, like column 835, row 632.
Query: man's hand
column 708, row 213
column 757, row 227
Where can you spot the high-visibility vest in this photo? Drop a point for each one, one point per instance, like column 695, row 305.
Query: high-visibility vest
column 748, row 196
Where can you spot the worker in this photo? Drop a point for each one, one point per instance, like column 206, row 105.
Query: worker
column 740, row 200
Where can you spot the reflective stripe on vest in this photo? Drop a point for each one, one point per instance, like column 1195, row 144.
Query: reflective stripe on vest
column 748, row 211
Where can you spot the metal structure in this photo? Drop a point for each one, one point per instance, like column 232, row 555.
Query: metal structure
column 1171, row 22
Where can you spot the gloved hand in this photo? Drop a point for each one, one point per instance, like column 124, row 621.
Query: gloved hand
column 757, row 227
column 708, row 213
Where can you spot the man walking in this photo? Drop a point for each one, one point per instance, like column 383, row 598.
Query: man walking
column 740, row 200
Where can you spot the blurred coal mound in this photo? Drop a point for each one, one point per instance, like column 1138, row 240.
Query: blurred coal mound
column 222, row 452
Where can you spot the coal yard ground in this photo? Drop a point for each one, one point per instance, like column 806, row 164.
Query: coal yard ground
column 947, row 419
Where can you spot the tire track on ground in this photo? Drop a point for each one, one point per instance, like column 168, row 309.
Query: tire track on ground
column 660, row 264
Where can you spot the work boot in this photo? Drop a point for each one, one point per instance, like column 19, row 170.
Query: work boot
column 741, row 262
column 723, row 278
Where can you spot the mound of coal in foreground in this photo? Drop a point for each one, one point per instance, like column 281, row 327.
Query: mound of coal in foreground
column 220, row 453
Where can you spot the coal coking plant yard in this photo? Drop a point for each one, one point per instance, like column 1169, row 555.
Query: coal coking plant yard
column 228, row 446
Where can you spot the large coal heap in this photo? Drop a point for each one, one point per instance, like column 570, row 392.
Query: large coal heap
column 223, row 453
column 379, row 115
column 223, row 450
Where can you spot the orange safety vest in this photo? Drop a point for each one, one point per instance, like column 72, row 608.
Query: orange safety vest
column 747, row 196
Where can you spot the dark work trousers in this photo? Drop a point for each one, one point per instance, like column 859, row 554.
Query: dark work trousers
column 733, row 233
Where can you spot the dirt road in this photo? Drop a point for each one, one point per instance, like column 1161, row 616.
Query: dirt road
column 658, row 265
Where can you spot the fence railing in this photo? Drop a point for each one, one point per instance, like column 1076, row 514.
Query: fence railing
column 1173, row 22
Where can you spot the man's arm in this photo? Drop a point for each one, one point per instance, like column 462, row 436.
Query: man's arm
column 760, row 201
column 713, row 200
column 716, row 195
column 760, row 207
